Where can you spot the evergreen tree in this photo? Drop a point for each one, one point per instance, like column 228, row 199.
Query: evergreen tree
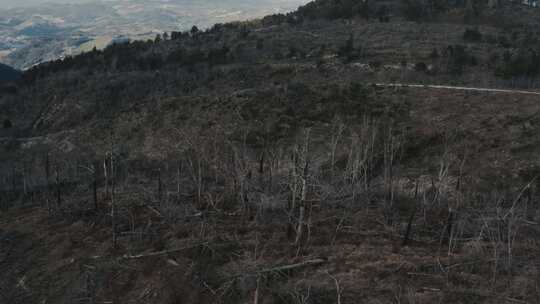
column 7, row 124
column 194, row 30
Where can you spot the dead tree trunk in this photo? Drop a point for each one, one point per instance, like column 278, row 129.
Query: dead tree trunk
column 106, row 176
column 58, row 190
column 13, row 180
column 407, row 235
column 178, row 176
column 302, row 214
column 531, row 205
column 261, row 161
column 159, row 190
column 390, row 151
column 304, row 179
column 113, row 202
column 25, row 183
column 447, row 237
column 47, row 171
column 95, row 186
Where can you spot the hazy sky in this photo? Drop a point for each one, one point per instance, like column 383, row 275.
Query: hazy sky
column 5, row 4
column 15, row 3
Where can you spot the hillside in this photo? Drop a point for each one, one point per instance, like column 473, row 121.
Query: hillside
column 307, row 157
column 7, row 73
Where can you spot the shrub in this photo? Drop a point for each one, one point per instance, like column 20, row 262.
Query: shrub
column 434, row 54
column 260, row 44
column 472, row 35
column 383, row 13
column 459, row 57
column 415, row 10
column 420, row 67
column 7, row 124
column 523, row 63
column 504, row 41
column 8, row 89
column 493, row 59
column 331, row 9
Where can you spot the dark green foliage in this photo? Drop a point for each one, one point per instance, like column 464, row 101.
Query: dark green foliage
column 530, row 39
column 336, row 9
column 420, row 67
column 504, row 41
column 179, row 35
column 150, row 62
column 194, row 30
column 523, row 63
column 244, row 32
column 260, row 44
column 7, row 124
column 348, row 51
column 194, row 56
column 218, row 56
column 141, row 55
column 472, row 35
column 383, row 13
column 458, row 58
column 415, row 10
column 425, row 10
column 493, row 59
column 491, row 39
column 275, row 19
column 177, row 56
column 292, row 53
column 364, row 9
column 8, row 89
column 434, row 54
column 304, row 106
column 375, row 64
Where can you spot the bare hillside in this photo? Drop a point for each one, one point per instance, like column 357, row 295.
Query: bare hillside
column 348, row 152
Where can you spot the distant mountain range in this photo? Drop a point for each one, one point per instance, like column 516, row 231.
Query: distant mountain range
column 33, row 33
column 8, row 73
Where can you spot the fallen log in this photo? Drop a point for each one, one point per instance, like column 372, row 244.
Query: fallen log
column 314, row 262
column 163, row 252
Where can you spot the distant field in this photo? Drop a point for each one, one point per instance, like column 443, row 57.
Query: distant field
column 4, row 53
column 99, row 43
column 39, row 33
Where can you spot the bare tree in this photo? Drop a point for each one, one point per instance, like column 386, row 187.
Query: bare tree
column 304, row 156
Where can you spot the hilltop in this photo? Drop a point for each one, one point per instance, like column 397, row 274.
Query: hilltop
column 282, row 160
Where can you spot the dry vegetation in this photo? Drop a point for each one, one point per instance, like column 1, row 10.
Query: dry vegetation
column 267, row 179
column 415, row 211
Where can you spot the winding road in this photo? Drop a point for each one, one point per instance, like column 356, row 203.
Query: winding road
column 456, row 88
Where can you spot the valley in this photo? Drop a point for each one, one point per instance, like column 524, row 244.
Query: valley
column 42, row 32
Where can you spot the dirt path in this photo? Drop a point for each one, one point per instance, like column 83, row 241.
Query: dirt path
column 456, row 88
